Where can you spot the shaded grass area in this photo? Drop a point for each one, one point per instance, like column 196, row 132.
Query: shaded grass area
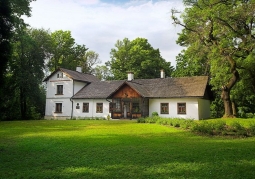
column 118, row 149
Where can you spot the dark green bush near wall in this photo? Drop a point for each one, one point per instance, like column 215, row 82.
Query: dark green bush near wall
column 212, row 127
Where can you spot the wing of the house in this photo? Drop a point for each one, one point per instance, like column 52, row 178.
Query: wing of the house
column 62, row 84
column 186, row 97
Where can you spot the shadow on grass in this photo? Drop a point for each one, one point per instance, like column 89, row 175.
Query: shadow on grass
column 158, row 154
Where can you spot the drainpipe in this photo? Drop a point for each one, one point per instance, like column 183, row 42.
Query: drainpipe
column 72, row 102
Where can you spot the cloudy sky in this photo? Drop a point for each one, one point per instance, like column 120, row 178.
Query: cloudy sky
column 98, row 24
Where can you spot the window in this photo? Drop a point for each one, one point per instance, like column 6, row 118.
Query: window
column 58, row 108
column 59, row 89
column 164, row 109
column 181, row 108
column 99, row 108
column 85, row 107
column 78, row 106
column 60, row 75
column 115, row 106
column 135, row 108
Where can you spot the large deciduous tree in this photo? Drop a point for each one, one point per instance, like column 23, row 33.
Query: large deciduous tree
column 10, row 16
column 89, row 60
column 224, row 33
column 65, row 52
column 25, row 96
column 139, row 57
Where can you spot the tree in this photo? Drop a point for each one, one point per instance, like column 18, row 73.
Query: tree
column 90, row 59
column 25, row 74
column 139, row 57
column 102, row 72
column 224, row 30
column 65, row 52
column 10, row 15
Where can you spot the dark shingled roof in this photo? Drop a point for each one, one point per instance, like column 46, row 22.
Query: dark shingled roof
column 152, row 88
column 98, row 90
column 75, row 75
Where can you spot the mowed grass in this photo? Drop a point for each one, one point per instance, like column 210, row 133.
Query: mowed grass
column 119, row 149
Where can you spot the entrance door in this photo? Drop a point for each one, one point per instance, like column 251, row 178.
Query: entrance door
column 126, row 109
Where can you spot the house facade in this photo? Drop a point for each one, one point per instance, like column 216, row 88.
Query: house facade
column 78, row 95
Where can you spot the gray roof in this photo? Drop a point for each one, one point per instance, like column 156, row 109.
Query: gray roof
column 151, row 88
column 98, row 90
column 75, row 75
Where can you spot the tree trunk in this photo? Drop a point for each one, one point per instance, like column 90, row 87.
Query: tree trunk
column 23, row 104
column 234, row 109
column 225, row 94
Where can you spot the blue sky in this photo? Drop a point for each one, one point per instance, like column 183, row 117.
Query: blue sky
column 98, row 24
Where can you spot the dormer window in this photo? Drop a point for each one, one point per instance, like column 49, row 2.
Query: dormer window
column 59, row 89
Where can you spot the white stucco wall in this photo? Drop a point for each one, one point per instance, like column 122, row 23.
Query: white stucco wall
column 191, row 108
column 50, row 108
column 78, row 113
column 78, row 86
column 70, row 87
column 204, row 109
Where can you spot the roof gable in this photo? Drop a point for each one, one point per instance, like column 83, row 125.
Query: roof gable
column 76, row 76
column 125, row 91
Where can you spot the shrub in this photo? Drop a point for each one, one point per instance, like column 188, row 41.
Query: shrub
column 141, row 120
column 251, row 129
column 154, row 114
column 249, row 115
column 219, row 126
column 237, row 129
column 203, row 127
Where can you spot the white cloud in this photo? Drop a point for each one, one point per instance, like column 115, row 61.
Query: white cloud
column 99, row 25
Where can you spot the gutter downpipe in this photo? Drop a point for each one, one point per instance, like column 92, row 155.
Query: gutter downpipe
column 72, row 102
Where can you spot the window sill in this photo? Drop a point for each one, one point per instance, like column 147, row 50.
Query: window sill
column 182, row 113
column 59, row 94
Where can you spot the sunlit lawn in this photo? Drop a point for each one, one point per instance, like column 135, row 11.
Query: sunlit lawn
column 119, row 149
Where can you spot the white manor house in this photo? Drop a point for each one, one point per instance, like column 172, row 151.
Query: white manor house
column 73, row 94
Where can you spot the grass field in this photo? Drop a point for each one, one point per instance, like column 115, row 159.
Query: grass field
column 119, row 149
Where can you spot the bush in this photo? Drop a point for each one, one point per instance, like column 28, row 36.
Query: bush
column 141, row 120
column 249, row 115
column 237, row 129
column 251, row 129
column 154, row 114
column 203, row 127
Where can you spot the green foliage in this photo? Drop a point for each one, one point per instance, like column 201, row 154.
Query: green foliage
column 139, row 57
column 11, row 12
column 25, row 97
column 154, row 114
column 218, row 37
column 102, row 72
column 218, row 127
column 65, row 52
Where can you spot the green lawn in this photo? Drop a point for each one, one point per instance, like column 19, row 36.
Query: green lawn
column 119, row 149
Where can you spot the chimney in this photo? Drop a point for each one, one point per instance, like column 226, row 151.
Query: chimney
column 78, row 69
column 162, row 74
column 130, row 76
